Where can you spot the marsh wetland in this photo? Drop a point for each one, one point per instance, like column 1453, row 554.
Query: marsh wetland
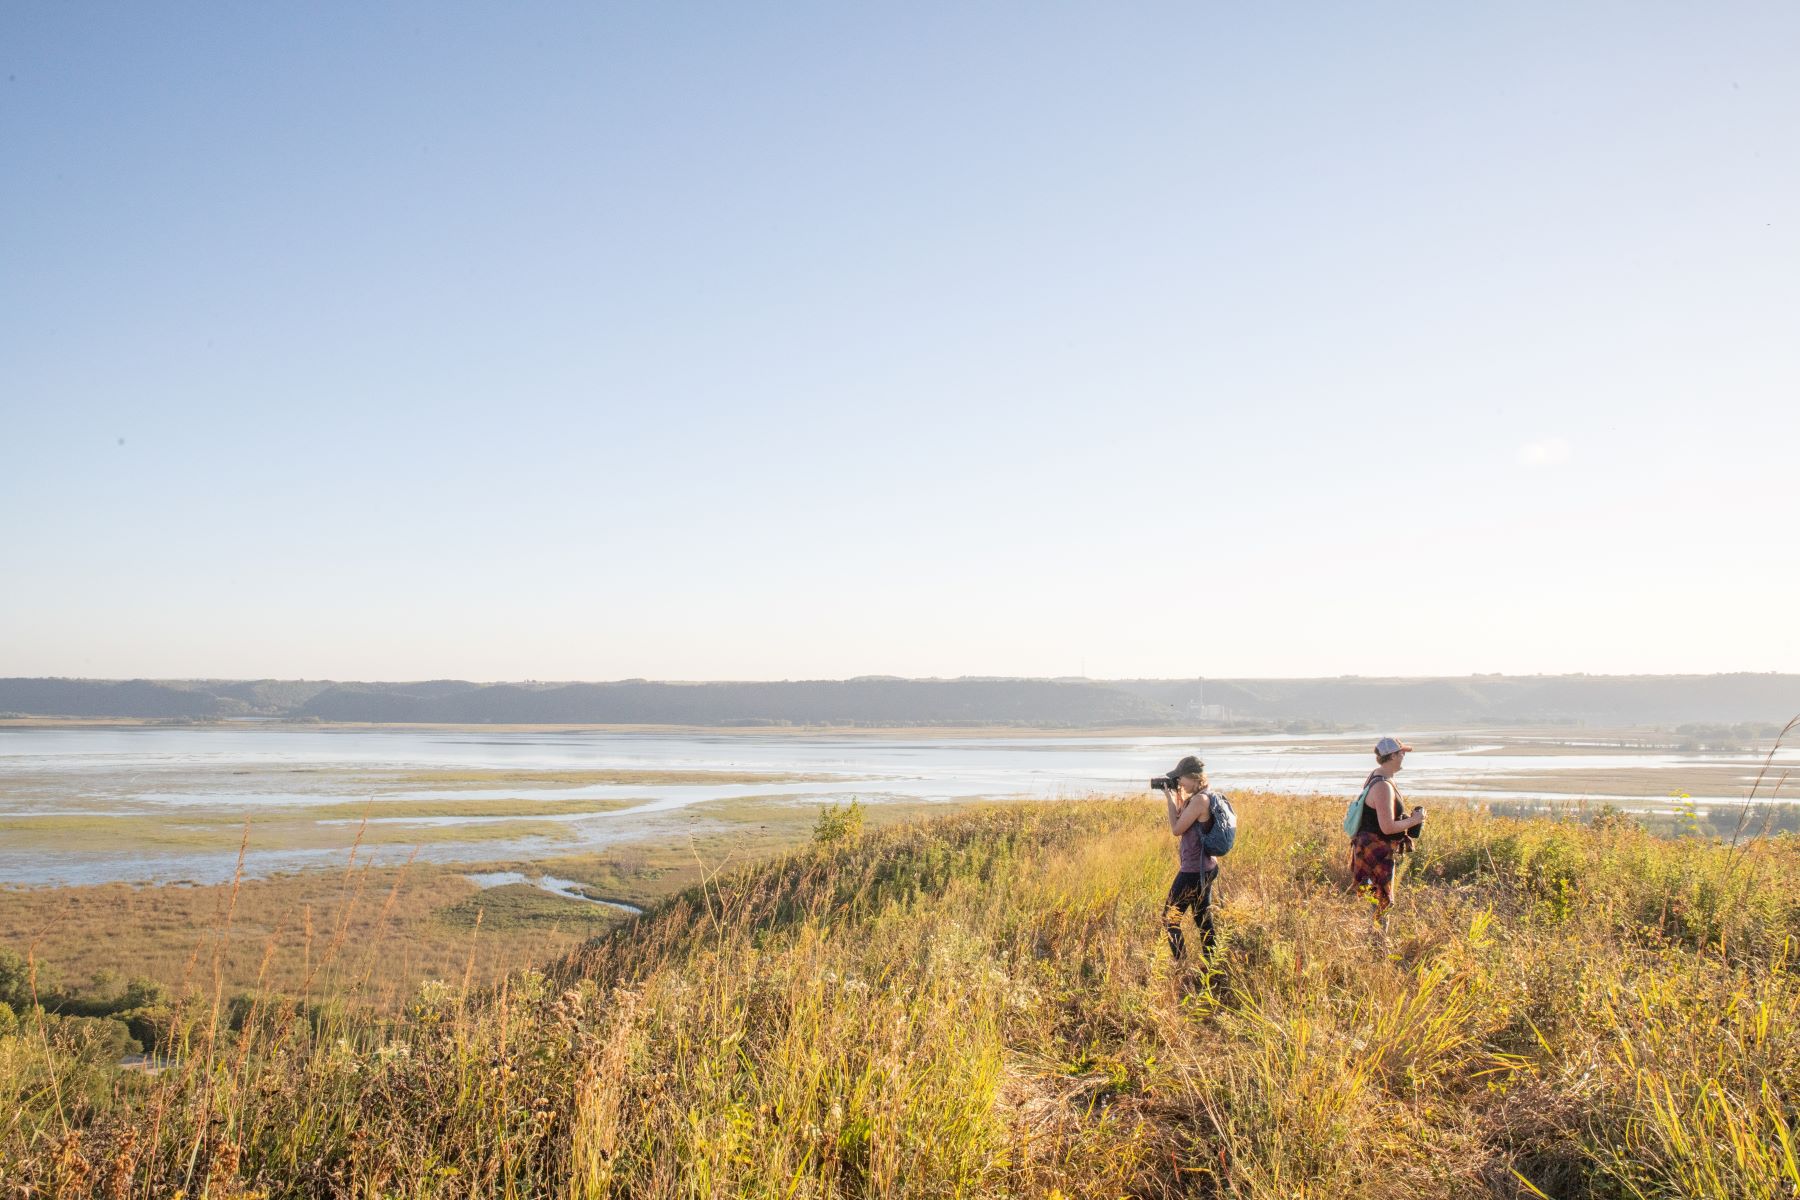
column 473, row 849
column 151, row 804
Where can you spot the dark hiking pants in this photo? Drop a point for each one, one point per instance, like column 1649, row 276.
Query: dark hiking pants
column 1191, row 892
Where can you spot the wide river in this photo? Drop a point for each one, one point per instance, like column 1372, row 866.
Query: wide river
column 97, row 804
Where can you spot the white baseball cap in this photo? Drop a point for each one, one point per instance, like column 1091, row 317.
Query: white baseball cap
column 1388, row 745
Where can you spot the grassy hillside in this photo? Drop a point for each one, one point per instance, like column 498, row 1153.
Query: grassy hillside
column 980, row 1006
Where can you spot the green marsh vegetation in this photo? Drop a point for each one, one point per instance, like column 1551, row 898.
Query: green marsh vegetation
column 623, row 777
column 421, row 920
column 980, row 1005
column 459, row 806
column 111, row 819
column 221, row 831
column 523, row 906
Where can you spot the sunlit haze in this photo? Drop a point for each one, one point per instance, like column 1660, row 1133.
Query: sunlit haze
column 743, row 342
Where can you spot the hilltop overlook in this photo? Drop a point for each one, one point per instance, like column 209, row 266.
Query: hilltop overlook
column 981, row 1006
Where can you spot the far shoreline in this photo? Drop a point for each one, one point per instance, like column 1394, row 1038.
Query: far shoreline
column 948, row 731
column 1594, row 738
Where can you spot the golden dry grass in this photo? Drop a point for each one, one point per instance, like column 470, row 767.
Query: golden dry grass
column 160, row 933
column 77, row 932
column 980, row 1006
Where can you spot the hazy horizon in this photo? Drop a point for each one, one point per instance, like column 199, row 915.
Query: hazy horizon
column 595, row 343
column 553, row 682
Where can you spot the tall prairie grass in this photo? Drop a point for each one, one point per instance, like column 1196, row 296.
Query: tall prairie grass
column 982, row 1005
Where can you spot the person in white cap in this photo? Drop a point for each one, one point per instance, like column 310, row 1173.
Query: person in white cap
column 1382, row 831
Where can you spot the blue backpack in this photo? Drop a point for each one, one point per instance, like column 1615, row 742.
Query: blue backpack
column 1222, row 836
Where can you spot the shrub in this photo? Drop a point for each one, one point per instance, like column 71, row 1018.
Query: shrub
column 97, row 1040
column 839, row 823
column 15, row 981
column 150, row 1027
column 141, row 992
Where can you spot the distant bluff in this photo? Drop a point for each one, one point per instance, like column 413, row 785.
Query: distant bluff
column 884, row 701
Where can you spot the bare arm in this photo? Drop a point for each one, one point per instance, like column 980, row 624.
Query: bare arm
column 1381, row 799
column 1198, row 808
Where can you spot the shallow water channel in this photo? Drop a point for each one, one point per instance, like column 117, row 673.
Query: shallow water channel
column 566, row 888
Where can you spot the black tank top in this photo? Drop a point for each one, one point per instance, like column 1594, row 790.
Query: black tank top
column 1370, row 823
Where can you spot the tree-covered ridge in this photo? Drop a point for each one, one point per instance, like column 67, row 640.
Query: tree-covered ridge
column 883, row 701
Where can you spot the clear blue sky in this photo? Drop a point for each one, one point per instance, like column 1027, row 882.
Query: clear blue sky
column 779, row 341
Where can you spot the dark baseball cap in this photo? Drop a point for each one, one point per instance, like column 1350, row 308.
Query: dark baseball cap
column 1188, row 766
